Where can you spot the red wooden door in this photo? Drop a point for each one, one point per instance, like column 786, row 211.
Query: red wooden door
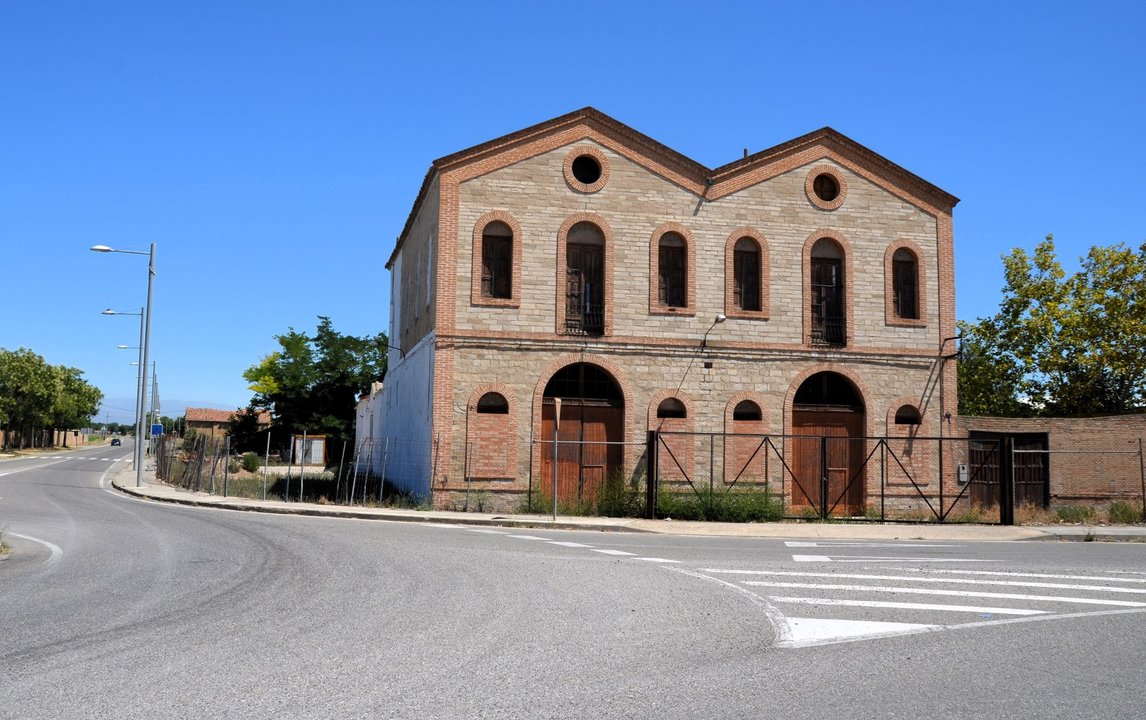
column 834, row 436
column 588, row 450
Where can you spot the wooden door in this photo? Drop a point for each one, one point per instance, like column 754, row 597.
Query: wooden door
column 588, row 450
column 834, row 436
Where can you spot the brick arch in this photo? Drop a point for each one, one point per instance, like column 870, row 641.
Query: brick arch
column 890, row 317
column 660, row 396
column 476, row 298
column 562, row 241
column 632, row 426
column 676, row 453
column 730, row 308
column 655, row 307
column 492, row 438
column 632, row 429
column 737, row 398
column 504, row 390
column 744, row 457
column 912, row 460
column 848, row 372
column 849, row 283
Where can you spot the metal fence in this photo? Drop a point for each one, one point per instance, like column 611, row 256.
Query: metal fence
column 894, row 478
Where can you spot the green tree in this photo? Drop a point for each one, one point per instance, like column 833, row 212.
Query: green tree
column 36, row 396
column 75, row 402
column 311, row 383
column 1061, row 344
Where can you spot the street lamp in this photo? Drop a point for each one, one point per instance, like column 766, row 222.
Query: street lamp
column 137, row 454
column 145, row 343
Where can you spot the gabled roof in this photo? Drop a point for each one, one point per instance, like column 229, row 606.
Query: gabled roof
column 701, row 179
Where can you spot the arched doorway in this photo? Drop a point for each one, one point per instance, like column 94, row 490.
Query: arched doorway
column 589, row 435
column 828, row 454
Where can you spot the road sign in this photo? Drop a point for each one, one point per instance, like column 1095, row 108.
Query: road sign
column 156, row 429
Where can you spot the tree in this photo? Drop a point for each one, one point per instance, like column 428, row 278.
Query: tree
column 35, row 395
column 1061, row 345
column 311, row 384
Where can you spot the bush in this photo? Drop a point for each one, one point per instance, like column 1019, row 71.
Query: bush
column 1078, row 514
column 619, row 499
column 251, row 462
column 1125, row 513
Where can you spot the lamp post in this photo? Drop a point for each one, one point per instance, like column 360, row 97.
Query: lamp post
column 145, row 343
column 136, row 455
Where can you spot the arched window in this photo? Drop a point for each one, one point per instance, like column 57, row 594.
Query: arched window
column 828, row 311
column 585, row 280
column 497, row 261
column 905, row 284
column 672, row 270
column 746, row 275
column 746, row 410
column 493, row 403
column 671, row 408
column 908, row 415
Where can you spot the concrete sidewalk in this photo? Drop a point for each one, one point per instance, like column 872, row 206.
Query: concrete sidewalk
column 151, row 489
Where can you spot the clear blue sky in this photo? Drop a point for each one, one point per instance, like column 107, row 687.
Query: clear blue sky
column 272, row 150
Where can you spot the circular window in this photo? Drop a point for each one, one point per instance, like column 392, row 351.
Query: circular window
column 826, row 187
column 586, row 169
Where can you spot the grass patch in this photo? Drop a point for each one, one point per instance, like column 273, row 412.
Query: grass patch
column 5, row 548
column 717, row 506
column 1122, row 512
column 1075, row 514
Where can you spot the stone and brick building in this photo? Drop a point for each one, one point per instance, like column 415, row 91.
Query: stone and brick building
column 579, row 269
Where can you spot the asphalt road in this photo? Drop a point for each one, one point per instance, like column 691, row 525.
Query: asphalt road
column 120, row 608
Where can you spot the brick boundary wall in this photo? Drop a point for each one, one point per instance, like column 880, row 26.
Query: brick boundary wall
column 1092, row 460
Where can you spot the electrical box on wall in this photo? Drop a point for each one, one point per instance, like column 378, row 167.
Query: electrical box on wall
column 961, row 473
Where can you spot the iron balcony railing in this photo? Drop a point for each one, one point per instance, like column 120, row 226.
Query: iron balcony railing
column 829, row 331
column 586, row 320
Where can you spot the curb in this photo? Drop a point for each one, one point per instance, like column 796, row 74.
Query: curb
column 318, row 511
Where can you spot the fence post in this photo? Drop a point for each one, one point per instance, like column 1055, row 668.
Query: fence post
column 1142, row 478
column 226, row 465
column 883, row 479
column 651, row 475
column 266, row 464
column 823, row 477
column 302, row 466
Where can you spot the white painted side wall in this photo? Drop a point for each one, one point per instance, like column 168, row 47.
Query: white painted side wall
column 401, row 446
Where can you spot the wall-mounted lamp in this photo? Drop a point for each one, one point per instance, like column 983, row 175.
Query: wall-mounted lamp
column 716, row 321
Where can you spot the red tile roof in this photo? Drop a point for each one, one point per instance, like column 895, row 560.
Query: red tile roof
column 210, row 415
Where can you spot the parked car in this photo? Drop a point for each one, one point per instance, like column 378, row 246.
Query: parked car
column 116, row 441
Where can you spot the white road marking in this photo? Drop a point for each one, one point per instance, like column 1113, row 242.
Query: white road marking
column 569, row 544
column 946, row 593
column 607, row 551
column 1047, row 576
column 905, row 605
column 811, row 558
column 483, row 530
column 818, row 543
column 56, row 552
column 526, row 537
column 948, row 580
column 804, row 632
column 656, row 560
column 876, row 558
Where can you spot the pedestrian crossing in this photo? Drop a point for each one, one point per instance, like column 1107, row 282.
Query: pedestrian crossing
column 822, row 607
column 847, row 596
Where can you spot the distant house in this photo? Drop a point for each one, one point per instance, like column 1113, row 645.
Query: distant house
column 215, row 423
